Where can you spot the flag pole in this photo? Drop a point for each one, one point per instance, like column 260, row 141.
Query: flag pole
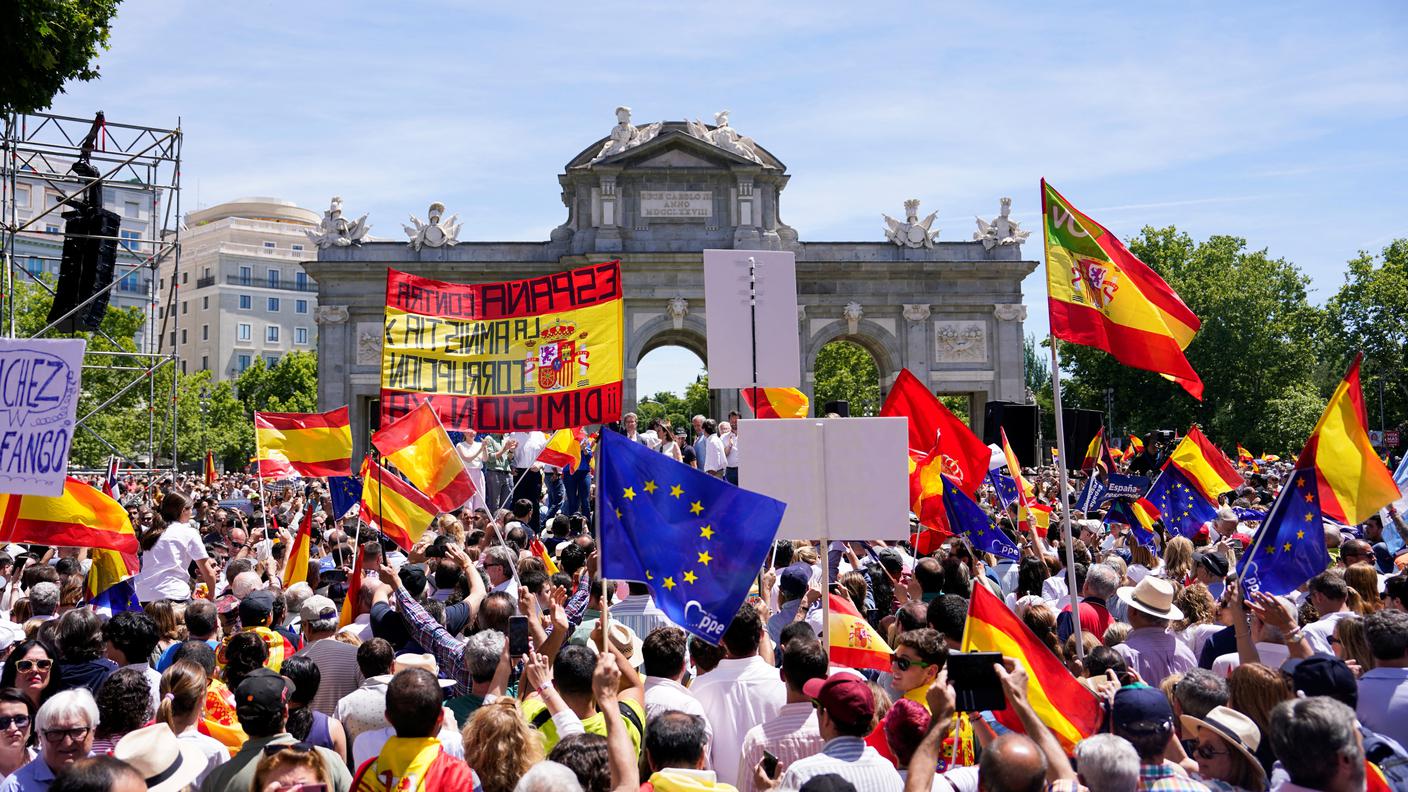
column 1065, row 503
column 600, row 458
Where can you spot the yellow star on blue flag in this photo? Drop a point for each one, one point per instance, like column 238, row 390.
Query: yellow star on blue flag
column 702, row 539
column 1289, row 547
column 1184, row 508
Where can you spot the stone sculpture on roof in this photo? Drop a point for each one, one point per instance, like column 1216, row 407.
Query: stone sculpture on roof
column 432, row 233
column 725, row 137
column 335, row 230
column 624, row 136
column 913, row 232
column 1003, row 230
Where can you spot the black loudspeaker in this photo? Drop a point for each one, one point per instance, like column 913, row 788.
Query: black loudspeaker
column 90, row 250
column 1081, row 427
column 1020, row 423
column 841, row 408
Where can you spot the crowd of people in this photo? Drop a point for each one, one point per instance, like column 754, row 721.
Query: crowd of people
column 405, row 668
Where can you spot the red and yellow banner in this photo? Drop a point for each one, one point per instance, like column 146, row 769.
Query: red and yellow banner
column 392, row 506
column 418, row 446
column 777, row 402
column 1354, row 483
column 543, row 353
column 307, row 444
column 81, row 517
column 853, row 642
column 209, row 468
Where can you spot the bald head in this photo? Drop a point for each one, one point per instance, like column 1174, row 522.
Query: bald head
column 1012, row 763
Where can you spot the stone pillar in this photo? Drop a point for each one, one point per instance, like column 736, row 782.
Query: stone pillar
column 628, row 390
column 1009, row 380
column 745, row 234
column 334, row 352
column 916, row 338
column 608, row 235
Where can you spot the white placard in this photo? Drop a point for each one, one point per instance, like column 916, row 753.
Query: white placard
column 39, row 386
column 730, row 325
column 671, row 203
column 841, row 478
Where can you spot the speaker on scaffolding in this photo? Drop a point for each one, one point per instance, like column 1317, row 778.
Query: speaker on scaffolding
column 1020, row 423
column 86, row 269
column 1081, row 427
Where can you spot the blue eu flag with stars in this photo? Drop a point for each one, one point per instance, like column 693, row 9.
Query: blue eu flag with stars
column 695, row 540
column 1289, row 548
column 1184, row 507
column 346, row 492
column 1005, row 486
column 968, row 519
column 1121, row 512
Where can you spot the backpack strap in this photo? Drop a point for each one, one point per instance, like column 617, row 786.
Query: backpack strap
column 631, row 717
column 541, row 719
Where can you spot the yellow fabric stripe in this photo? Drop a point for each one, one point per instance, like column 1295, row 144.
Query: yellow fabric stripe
column 429, row 460
column 1124, row 304
column 1345, row 460
column 979, row 636
column 319, row 444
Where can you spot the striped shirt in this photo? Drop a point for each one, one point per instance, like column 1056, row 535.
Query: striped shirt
column 337, row 665
column 850, row 758
column 790, row 736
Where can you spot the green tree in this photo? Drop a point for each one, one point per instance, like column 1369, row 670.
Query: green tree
column 846, row 372
column 1286, row 420
column 1255, row 344
column 1369, row 313
column 46, row 43
column 291, row 385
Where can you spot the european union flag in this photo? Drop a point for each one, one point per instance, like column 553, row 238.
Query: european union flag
column 346, row 492
column 119, row 597
column 967, row 518
column 1289, row 548
column 1184, row 507
column 695, row 540
column 1005, row 486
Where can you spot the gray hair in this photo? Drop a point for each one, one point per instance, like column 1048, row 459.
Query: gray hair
column 65, row 706
column 321, row 626
column 1107, row 762
column 1199, row 691
column 548, row 776
column 44, row 598
column 504, row 556
column 482, row 653
column 1308, row 735
column 1101, row 581
column 1387, row 634
column 295, row 596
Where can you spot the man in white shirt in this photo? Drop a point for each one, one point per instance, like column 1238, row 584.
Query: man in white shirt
column 663, row 652
column 526, row 471
column 1330, row 595
column 742, row 692
column 728, row 435
column 794, row 733
column 714, row 460
column 1383, row 691
column 845, row 715
column 498, row 564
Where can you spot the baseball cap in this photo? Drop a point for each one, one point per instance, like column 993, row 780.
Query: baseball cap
column 1216, row 563
column 1139, row 705
column 262, row 694
column 1323, row 674
column 316, row 608
column 413, row 578
column 844, row 697
column 794, row 580
column 256, row 607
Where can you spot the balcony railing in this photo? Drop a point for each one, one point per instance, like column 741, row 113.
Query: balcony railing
column 282, row 285
column 201, row 283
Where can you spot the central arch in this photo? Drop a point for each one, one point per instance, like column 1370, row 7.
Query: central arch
column 660, row 331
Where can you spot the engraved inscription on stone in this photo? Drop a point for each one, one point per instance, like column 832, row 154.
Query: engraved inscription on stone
column 669, row 203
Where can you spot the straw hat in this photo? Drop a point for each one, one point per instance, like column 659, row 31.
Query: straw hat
column 626, row 640
column 166, row 762
column 1153, row 596
column 1237, row 729
column 425, row 662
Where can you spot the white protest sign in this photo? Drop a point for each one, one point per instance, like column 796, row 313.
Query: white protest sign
column 733, row 329
column 842, row 478
column 39, row 385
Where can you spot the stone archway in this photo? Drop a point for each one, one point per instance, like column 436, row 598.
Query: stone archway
column 653, row 334
column 881, row 344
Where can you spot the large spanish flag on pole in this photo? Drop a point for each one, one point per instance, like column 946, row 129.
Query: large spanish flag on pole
column 390, row 505
column 417, row 445
column 964, row 457
column 308, row 444
column 1205, row 465
column 1066, row 706
column 777, row 402
column 81, row 517
column 1100, row 295
column 1354, row 483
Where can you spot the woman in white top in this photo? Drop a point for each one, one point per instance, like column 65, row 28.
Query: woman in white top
column 473, row 451
column 168, row 549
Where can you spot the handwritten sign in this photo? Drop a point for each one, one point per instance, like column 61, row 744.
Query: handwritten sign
column 39, row 385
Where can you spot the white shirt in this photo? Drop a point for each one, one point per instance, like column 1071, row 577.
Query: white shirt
column 370, row 743
column 730, row 442
column 792, row 735
column 530, row 445
column 1383, row 702
column 1318, row 632
column 714, row 458
column 738, row 695
column 215, row 752
column 1271, row 655
column 163, row 574
column 663, row 694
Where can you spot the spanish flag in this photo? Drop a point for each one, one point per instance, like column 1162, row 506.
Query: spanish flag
column 308, row 444
column 1066, row 706
column 354, row 591
column 296, row 563
column 963, row 456
column 853, row 642
column 777, row 402
column 1037, row 515
column 390, row 505
column 1100, row 295
column 418, row 446
column 1205, row 465
column 540, row 551
column 1354, row 483
column 926, row 500
column 109, row 583
column 209, row 468
column 1026, row 496
column 564, row 449
column 1244, row 456
column 231, row 736
column 81, row 517
column 1092, row 451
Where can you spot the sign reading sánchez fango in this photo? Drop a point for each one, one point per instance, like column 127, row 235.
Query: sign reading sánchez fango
column 668, row 203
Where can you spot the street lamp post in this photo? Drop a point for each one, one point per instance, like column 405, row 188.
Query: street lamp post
column 204, row 410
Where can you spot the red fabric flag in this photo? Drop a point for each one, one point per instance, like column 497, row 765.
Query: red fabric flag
column 964, row 456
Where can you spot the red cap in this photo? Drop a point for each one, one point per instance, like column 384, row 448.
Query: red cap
column 844, row 697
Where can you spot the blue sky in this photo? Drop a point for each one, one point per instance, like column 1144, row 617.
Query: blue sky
column 1282, row 122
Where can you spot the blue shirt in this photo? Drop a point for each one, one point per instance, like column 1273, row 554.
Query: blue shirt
column 33, row 777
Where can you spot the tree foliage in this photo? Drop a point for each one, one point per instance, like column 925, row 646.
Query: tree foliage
column 678, row 410
column 846, row 372
column 46, row 43
column 1370, row 313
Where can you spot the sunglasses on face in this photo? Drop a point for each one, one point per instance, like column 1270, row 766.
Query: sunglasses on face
column 1210, row 751
column 298, row 747
column 67, row 735
column 25, row 666
column 19, row 722
column 904, row 663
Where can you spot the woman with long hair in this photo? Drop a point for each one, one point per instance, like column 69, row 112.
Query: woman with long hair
column 1363, row 578
column 244, row 652
column 80, row 661
column 168, row 549
column 1256, row 690
column 1350, row 645
column 1225, row 742
column 1199, row 612
column 124, row 705
column 30, row 667
column 305, row 723
column 500, row 746
column 183, row 687
column 1178, row 560
column 16, row 729
column 170, row 625
column 1041, row 619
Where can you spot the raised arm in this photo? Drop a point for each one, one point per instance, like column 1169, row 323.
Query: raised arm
column 620, row 752
column 1014, row 684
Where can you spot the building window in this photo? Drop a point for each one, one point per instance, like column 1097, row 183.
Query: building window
column 183, row 367
column 244, row 332
column 205, row 273
column 173, row 338
column 205, row 303
column 184, row 307
column 269, row 246
column 129, row 283
column 185, row 278
column 51, row 229
column 129, row 240
column 272, row 303
column 243, row 363
column 22, row 196
column 271, row 360
column 246, row 302
column 35, row 265
column 273, row 278
column 246, row 275
column 183, row 336
column 54, row 198
column 161, row 284
column 300, row 336
column 271, row 334
column 300, row 306
column 300, row 279
column 205, row 363
column 296, row 248
column 131, row 209
column 205, row 332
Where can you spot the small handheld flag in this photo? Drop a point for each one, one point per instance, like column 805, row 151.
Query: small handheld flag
column 850, row 639
column 1289, row 547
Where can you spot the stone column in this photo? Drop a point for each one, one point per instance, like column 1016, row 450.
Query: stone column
column 916, row 338
column 334, row 352
column 1009, row 380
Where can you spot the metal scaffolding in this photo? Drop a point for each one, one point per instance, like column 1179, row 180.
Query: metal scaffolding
column 40, row 149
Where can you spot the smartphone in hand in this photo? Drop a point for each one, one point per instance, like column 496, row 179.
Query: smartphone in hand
column 976, row 685
column 517, row 636
column 769, row 764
